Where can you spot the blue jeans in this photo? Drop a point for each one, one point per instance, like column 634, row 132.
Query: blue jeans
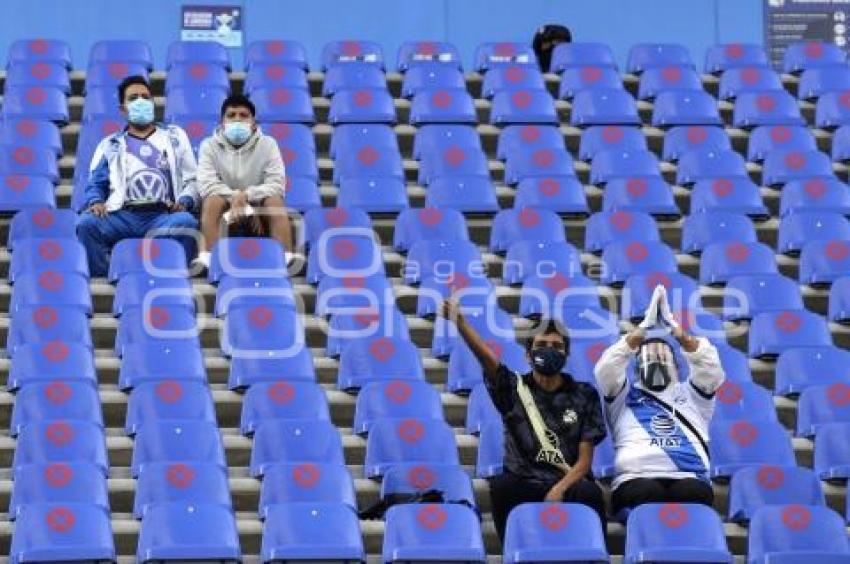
column 99, row 234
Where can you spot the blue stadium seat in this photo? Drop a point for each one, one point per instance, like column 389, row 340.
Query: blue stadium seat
column 254, row 330
column 408, row 440
column 464, row 371
column 685, row 107
column 275, row 51
column 744, row 401
column 344, row 254
column 42, row 324
column 611, row 163
column 245, row 372
column 38, row 73
column 737, row 444
column 604, row 107
column 165, row 324
column 820, row 405
column 558, row 194
column 425, row 77
column 699, row 230
column 53, row 532
column 295, row 532
column 523, row 106
column 600, row 138
column 41, row 223
column 110, row 75
column 43, row 442
column 52, row 288
column 680, row 140
column 187, row 441
column 377, row 195
column 395, row 399
column 603, row 467
column 275, row 75
column 156, row 257
column 803, row 228
column 209, row 52
column 414, row 54
column 282, row 441
column 306, row 482
column 196, row 129
column 626, row 258
column 437, row 137
column 101, row 104
column 494, row 54
column 74, row 400
column 607, row 227
column 168, row 400
column 511, row 78
column 474, row 194
column 318, row 221
column 156, row 360
column 797, row 533
column 413, row 225
column 780, row 167
column 755, row 487
column 379, row 321
column 815, row 82
column 832, row 454
column 768, row 107
column 768, row 138
column 368, row 162
column 50, row 50
column 579, row 54
column 179, row 482
column 516, row 138
column 681, row 291
column 735, row 364
column 362, row 105
column 291, row 105
column 351, row 51
column 748, row 295
column 133, row 289
column 197, row 74
column 736, row 195
column 299, row 161
column 295, row 135
column 480, row 409
column 545, row 295
column 646, row 55
column 122, row 51
column 699, row 164
column 26, row 192
column 23, row 160
column 200, row 103
column 718, row 58
column 282, row 399
column 841, row 143
column 188, row 531
column 366, row 360
column 351, row 76
column 655, row 80
column 453, row 160
column 798, row 368
column 811, row 54
column 649, row 194
column 528, row 224
column 470, row 292
column 442, row 106
column 530, row 257
column 576, row 79
column 246, row 257
column 545, row 162
column 736, row 81
column 302, row 194
column 839, row 296
column 493, row 323
column 539, row 532
column 450, row 479
column 721, row 261
column 59, row 482
column 45, row 362
column 424, row 258
column 681, row 532
column 447, row 532
column 825, row 261
column 341, row 293
column 771, row 333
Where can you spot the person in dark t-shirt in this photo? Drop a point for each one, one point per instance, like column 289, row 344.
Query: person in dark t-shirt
column 571, row 417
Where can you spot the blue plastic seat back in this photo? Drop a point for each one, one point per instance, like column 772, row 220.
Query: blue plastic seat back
column 281, row 104
column 35, row 102
column 381, row 321
column 537, row 531
column 44, row 442
column 754, row 487
column 275, row 51
column 362, row 105
column 37, row 49
column 210, row 52
column 168, row 400
column 247, row 257
column 122, row 51
column 735, row 364
column 721, row 261
column 539, row 258
column 424, row 77
column 744, row 400
column 245, row 372
column 437, row 137
column 604, row 107
column 474, row 194
column 275, row 75
column 491, row 450
column 282, row 399
column 655, row 80
column 561, row 194
column 101, row 103
column 824, row 261
column 365, row 360
column 699, row 164
column 470, row 292
column 255, row 329
column 747, row 79
column 444, row 105
column 156, row 323
column 817, row 81
column 156, row 257
column 766, row 107
column 395, row 399
column 345, row 254
column 320, row 221
column 491, row 322
column 798, row 368
column 600, row 138
column 647, row 55
column 352, row 51
column 448, row 532
column 577, row 79
column 545, row 162
column 832, row 454
column 718, row 58
column 157, row 359
column 425, row 257
column 306, row 482
column 452, row 161
column 174, row 482
column 685, row 107
column 55, row 531
column 199, row 102
column 525, row 138
column 603, row 228
column 495, row 54
column 480, row 409
column 625, row 258
column 342, row 293
column 546, row 295
column 74, row 400
column 736, row 194
column 26, row 192
column 52, row 287
column 832, row 110
column 681, row 292
column 811, row 54
column 58, row 482
column 177, row 440
column 464, row 371
column 784, row 166
column 676, row 531
column 699, row 230
column 523, row 106
column 768, row 138
column 612, row 163
column 648, row 194
column 511, row 78
column 748, row 295
column 25, row 160
column 527, row 224
column 133, row 289
column 54, row 360
column 428, row 224
column 838, row 309
column 46, row 323
column 281, row 441
column 299, row 532
column 197, row 129
column 414, row 54
column 188, row 531
column 341, row 77
column 452, row 480
column 408, row 440
column 38, row 73
column 799, row 229
column 841, row 144
column 785, row 533
column 368, row 162
column 773, row 332
column 820, row 405
column 736, row 444
column 680, row 140
column 197, row 74
column 568, row 55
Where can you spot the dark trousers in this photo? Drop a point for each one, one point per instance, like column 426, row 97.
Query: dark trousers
column 509, row 490
column 648, row 490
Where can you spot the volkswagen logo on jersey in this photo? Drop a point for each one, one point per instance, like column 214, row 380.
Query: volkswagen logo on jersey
column 147, row 185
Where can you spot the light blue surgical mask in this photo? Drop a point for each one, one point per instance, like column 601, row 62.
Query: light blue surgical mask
column 140, row 111
column 237, row 132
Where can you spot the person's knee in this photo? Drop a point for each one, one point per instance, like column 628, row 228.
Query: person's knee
column 692, row 490
column 87, row 226
column 183, row 220
column 214, row 206
column 273, row 202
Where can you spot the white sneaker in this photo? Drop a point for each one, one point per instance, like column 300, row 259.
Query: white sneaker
column 202, row 260
column 291, row 258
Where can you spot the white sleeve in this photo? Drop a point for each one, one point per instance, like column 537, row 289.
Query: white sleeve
column 188, row 169
column 706, row 371
column 610, row 370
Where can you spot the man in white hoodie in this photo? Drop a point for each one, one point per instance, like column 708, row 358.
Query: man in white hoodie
column 240, row 169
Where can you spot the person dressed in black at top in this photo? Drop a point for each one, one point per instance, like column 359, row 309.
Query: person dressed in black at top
column 549, row 444
column 546, row 38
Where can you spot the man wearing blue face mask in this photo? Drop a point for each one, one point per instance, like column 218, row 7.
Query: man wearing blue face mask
column 552, row 423
column 141, row 182
column 241, row 171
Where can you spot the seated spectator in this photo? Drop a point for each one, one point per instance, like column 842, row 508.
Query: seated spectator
column 552, row 423
column 659, row 425
column 240, row 169
column 142, row 182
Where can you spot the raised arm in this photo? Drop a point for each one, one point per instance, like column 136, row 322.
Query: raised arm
column 450, row 310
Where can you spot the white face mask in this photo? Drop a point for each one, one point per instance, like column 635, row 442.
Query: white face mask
column 237, row 132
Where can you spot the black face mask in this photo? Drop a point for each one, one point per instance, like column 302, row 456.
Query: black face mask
column 548, row 361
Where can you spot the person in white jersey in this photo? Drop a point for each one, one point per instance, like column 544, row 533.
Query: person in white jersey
column 659, row 424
